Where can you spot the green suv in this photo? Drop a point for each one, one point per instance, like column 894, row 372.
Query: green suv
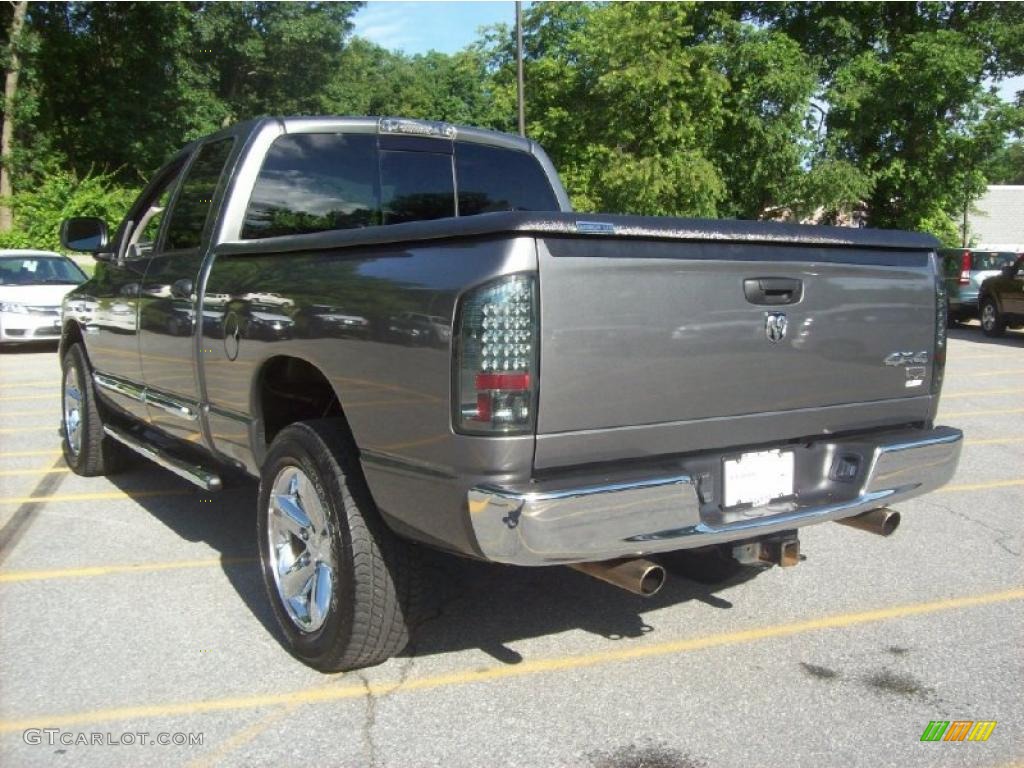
column 965, row 269
column 1001, row 299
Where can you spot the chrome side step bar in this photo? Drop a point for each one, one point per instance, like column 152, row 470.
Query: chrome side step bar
column 192, row 472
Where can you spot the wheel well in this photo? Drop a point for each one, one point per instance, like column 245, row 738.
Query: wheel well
column 291, row 389
column 72, row 335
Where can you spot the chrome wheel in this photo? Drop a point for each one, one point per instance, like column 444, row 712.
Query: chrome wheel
column 988, row 316
column 301, row 555
column 73, row 410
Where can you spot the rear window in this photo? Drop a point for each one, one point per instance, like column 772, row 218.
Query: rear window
column 416, row 186
column 497, row 179
column 325, row 181
column 992, row 260
column 39, row 270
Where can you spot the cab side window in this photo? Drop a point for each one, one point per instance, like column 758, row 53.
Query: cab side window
column 195, row 200
column 147, row 214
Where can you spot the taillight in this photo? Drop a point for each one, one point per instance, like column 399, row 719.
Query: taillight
column 941, row 323
column 496, row 358
column 965, row 268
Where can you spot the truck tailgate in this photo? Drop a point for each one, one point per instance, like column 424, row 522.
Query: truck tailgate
column 643, row 332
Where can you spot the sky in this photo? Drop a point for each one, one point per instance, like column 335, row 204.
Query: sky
column 417, row 27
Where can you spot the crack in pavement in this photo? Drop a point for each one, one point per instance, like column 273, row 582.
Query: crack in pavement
column 999, row 540
column 369, row 723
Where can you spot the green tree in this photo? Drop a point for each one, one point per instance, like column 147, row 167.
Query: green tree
column 905, row 95
column 1007, row 165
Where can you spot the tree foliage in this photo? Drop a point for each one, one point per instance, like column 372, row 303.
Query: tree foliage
column 741, row 109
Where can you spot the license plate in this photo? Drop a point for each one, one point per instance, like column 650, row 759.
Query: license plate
column 757, row 478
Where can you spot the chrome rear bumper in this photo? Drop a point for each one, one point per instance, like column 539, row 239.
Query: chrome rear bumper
column 563, row 521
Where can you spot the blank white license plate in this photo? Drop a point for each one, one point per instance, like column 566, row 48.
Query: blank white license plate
column 757, row 478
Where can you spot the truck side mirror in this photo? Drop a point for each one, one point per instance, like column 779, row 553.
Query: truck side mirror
column 84, row 233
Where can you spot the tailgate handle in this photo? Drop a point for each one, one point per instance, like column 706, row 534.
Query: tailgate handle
column 773, row 290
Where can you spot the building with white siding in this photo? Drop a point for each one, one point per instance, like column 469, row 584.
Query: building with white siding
column 996, row 220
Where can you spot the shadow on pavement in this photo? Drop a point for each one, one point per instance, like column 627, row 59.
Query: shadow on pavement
column 29, row 347
column 469, row 604
column 974, row 334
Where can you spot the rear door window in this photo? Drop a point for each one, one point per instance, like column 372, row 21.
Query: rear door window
column 499, row 179
column 314, row 182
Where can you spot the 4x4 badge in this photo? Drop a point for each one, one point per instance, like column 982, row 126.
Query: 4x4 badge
column 775, row 324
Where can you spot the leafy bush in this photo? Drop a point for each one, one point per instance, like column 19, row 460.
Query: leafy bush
column 39, row 209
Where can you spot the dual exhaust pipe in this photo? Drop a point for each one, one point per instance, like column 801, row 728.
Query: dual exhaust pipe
column 633, row 574
column 881, row 522
column 646, row 578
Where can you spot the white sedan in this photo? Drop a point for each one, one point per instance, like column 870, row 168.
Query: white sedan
column 32, row 285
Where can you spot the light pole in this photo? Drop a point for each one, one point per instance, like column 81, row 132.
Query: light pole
column 521, row 96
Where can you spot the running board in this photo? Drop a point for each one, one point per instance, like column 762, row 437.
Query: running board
column 192, row 472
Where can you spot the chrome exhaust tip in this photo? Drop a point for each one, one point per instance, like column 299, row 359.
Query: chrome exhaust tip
column 636, row 575
column 881, row 522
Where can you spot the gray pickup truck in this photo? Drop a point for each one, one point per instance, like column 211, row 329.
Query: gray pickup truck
column 405, row 333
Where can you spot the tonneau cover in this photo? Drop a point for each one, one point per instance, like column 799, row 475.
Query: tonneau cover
column 595, row 226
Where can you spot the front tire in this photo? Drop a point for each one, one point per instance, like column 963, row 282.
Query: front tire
column 992, row 322
column 87, row 450
column 339, row 582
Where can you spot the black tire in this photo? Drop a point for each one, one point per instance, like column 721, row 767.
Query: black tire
column 953, row 320
column 375, row 574
column 993, row 323
column 92, row 453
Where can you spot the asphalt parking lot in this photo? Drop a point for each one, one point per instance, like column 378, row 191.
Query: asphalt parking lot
column 133, row 605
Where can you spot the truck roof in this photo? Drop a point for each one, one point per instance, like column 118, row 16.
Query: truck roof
column 380, row 125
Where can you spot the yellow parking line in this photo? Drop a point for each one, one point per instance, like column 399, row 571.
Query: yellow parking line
column 504, row 672
column 58, row 497
column 995, row 412
column 980, row 486
column 54, row 382
column 27, row 472
column 12, row 454
column 954, row 357
column 982, row 392
column 995, row 441
column 11, row 577
column 53, row 396
column 18, row 430
column 20, row 413
column 981, row 374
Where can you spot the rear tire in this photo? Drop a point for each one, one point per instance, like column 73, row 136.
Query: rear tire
column 340, row 583
column 992, row 322
column 87, row 450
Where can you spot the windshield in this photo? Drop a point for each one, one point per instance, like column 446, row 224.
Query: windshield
column 39, row 270
column 993, row 260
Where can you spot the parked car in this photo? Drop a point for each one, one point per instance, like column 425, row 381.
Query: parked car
column 417, row 329
column 965, row 269
column 1002, row 299
column 559, row 405
column 32, row 286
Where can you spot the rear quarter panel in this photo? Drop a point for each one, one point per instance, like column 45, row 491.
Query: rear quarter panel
column 357, row 314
